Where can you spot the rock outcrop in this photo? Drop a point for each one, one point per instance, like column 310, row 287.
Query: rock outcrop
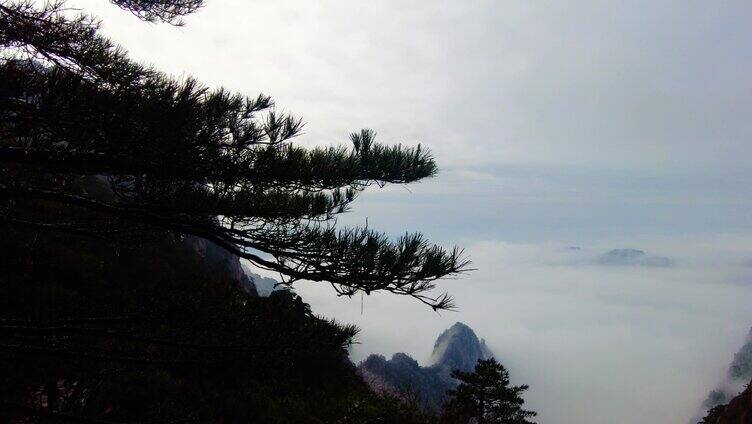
column 458, row 348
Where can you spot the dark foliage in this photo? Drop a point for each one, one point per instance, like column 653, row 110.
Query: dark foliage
column 180, row 157
column 485, row 396
column 714, row 414
column 738, row 409
column 125, row 332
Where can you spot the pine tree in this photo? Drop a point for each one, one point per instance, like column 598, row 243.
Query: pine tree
column 94, row 143
column 486, row 397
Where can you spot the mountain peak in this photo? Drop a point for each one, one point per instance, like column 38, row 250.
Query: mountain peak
column 459, row 348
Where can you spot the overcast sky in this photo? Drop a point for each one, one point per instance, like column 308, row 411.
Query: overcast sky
column 589, row 123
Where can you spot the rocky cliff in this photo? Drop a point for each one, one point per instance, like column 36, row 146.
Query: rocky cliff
column 220, row 260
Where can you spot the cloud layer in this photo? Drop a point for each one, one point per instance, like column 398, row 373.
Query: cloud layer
column 592, row 340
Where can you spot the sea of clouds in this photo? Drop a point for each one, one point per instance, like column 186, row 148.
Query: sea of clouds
column 597, row 341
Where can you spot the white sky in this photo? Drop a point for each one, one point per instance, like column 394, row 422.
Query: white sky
column 591, row 123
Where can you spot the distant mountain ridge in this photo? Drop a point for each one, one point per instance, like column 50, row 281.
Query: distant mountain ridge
column 458, row 347
column 625, row 256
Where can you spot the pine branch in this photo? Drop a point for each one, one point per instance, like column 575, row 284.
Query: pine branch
column 180, row 157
